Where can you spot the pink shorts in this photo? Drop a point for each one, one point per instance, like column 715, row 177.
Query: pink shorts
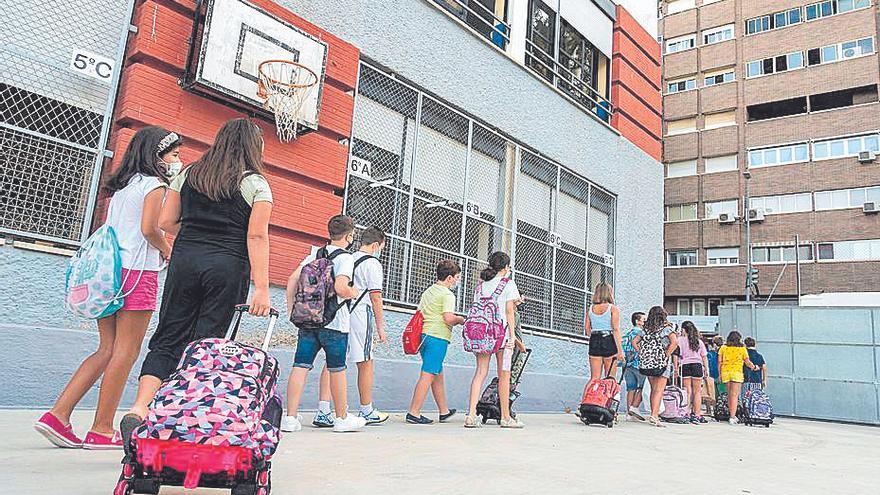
column 143, row 297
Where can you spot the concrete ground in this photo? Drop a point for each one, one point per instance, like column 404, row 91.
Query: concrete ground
column 554, row 454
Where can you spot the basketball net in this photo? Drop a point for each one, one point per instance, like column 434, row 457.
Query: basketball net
column 284, row 87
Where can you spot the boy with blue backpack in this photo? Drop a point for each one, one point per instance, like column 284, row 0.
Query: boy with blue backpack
column 317, row 297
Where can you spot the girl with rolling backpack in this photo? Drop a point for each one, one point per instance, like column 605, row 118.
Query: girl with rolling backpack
column 114, row 279
column 488, row 331
column 655, row 346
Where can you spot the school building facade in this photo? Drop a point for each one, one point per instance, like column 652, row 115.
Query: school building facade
column 459, row 128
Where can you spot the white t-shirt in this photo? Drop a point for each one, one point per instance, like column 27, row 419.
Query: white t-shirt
column 510, row 293
column 368, row 277
column 124, row 215
column 343, row 265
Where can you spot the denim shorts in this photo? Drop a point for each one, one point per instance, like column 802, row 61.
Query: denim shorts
column 433, row 353
column 634, row 379
column 334, row 343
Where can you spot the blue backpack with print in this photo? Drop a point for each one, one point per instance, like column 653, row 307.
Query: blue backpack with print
column 93, row 284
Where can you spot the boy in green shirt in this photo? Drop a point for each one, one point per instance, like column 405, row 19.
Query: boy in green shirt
column 438, row 309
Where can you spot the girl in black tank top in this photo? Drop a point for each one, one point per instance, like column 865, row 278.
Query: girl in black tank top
column 219, row 210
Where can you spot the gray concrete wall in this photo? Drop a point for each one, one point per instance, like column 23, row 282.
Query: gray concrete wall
column 823, row 362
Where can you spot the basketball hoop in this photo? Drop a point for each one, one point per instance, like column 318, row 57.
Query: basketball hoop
column 284, row 86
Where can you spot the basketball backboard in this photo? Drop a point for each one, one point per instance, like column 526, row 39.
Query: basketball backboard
column 231, row 39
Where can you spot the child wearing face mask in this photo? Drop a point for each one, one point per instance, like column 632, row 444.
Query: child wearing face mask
column 138, row 190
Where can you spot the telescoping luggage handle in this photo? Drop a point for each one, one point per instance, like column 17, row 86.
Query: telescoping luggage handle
column 240, row 310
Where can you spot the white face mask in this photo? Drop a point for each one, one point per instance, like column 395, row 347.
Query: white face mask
column 172, row 168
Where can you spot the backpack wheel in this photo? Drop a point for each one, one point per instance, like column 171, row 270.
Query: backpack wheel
column 148, row 486
column 244, row 489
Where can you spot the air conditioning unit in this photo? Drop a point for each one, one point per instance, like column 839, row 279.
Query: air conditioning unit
column 867, row 156
column 726, row 218
column 756, row 215
column 871, row 207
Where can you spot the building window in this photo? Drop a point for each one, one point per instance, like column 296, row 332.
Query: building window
column 720, row 164
column 779, row 155
column 682, row 126
column 722, row 256
column 487, row 17
column 772, row 65
column 542, row 35
column 676, row 6
column 721, row 119
column 680, row 44
column 680, row 85
column 863, row 250
column 851, row 146
column 677, row 213
column 683, row 307
column 719, row 76
column 687, row 257
column 831, row 7
column 776, row 20
column 715, row 208
column 789, row 203
column 847, row 198
column 717, row 35
column 840, row 51
column 681, row 169
column 781, row 254
column 698, row 307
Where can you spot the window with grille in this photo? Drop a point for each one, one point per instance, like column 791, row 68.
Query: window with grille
column 445, row 186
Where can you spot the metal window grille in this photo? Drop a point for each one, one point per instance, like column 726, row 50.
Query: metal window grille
column 53, row 120
column 442, row 185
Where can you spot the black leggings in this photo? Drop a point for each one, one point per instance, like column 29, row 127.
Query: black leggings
column 201, row 290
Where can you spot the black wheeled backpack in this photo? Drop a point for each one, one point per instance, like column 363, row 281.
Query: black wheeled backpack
column 489, row 406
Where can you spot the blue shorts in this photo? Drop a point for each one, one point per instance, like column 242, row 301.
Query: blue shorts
column 433, row 353
column 634, row 379
column 334, row 343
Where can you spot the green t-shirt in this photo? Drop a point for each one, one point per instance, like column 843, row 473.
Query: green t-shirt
column 436, row 301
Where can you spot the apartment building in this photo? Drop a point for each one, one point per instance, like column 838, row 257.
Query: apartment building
column 770, row 123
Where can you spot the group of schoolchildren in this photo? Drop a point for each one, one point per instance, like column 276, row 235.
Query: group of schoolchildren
column 657, row 351
column 218, row 211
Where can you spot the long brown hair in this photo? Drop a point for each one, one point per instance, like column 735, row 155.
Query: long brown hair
column 142, row 157
column 693, row 335
column 656, row 320
column 236, row 153
column 734, row 339
column 604, row 293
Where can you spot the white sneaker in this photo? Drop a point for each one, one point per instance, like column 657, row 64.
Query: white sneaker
column 733, row 421
column 291, row 423
column 350, row 422
column 634, row 412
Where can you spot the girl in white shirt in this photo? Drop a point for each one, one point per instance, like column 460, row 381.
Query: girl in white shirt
column 138, row 190
column 498, row 272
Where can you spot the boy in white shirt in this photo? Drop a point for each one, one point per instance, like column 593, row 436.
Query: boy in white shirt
column 366, row 316
column 333, row 338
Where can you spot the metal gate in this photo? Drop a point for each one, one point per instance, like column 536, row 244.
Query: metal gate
column 443, row 185
column 59, row 71
column 822, row 361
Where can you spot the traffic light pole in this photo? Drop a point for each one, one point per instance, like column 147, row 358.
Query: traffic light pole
column 748, row 221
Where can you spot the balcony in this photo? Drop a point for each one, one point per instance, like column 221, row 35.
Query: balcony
column 477, row 15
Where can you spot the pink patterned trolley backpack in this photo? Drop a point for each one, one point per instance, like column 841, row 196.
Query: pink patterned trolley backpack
column 214, row 423
column 484, row 330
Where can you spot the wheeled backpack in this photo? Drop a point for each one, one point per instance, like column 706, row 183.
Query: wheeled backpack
column 675, row 405
column 757, row 409
column 315, row 303
column 489, row 405
column 214, row 423
column 601, row 400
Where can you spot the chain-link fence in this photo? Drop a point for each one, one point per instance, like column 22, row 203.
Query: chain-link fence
column 57, row 82
column 445, row 186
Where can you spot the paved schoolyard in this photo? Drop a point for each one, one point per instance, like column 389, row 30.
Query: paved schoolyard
column 555, row 454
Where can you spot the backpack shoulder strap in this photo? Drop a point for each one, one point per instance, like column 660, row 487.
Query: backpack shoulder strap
column 362, row 259
column 502, row 284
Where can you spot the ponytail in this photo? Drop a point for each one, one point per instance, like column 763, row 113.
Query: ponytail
column 497, row 261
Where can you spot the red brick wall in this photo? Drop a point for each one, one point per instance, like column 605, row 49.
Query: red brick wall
column 303, row 174
column 635, row 84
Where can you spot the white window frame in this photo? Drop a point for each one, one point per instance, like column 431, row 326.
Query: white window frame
column 694, row 303
column 873, row 246
column 715, row 215
column 862, row 191
column 761, row 203
column 829, row 144
column 681, row 209
column 692, row 169
column 789, row 67
column 720, row 260
column 781, row 250
column 680, row 39
column 731, row 71
column 771, row 19
column 791, row 148
column 835, row 6
column 727, row 31
column 678, row 310
column 719, row 126
column 669, row 253
column 689, row 81
column 681, row 6
column 726, row 157
column 839, row 52
column 688, row 130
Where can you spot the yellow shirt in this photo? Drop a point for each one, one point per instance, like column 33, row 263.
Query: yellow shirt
column 436, row 301
column 732, row 358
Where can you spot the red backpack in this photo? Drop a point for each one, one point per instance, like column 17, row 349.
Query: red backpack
column 412, row 335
